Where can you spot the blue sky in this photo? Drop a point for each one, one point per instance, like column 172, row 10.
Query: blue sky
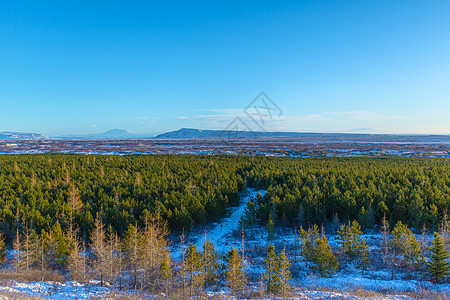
column 155, row 66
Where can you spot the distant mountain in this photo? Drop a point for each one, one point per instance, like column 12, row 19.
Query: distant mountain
column 113, row 134
column 9, row 135
column 190, row 133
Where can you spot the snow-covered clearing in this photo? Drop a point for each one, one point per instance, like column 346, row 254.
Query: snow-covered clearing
column 73, row 290
column 55, row 290
column 220, row 234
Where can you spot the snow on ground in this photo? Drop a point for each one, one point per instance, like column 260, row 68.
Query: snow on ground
column 220, row 234
column 347, row 280
column 350, row 282
column 56, row 290
column 300, row 294
column 67, row 290
column 73, row 290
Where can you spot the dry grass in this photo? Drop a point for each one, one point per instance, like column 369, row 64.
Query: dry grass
column 31, row 275
column 16, row 295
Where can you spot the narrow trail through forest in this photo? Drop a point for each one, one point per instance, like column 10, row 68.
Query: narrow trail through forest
column 219, row 232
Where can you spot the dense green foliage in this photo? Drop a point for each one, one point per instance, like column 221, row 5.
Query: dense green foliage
column 210, row 263
column 39, row 190
column 194, row 265
column 352, row 244
column 311, row 191
column 315, row 249
column 2, row 248
column 36, row 191
column 235, row 275
column 438, row 266
column 271, row 277
column 405, row 243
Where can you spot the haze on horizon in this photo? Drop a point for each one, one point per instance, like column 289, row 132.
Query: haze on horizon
column 331, row 66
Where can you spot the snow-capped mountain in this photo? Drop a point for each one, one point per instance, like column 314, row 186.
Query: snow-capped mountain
column 9, row 135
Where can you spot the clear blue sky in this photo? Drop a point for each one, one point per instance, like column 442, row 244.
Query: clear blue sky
column 154, row 66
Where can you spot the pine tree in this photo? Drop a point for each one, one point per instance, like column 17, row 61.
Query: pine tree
column 271, row 277
column 50, row 252
column 132, row 251
column 29, row 251
column 75, row 204
column 235, row 271
column 193, row 264
column 325, row 263
column 18, row 249
column 353, row 246
column 113, row 256
column 270, row 228
column 77, row 262
column 405, row 243
column 2, row 248
column 283, row 272
column 57, row 247
column 308, row 242
column 183, row 274
column 249, row 216
column 40, row 253
column 438, row 266
column 315, row 249
column 154, row 249
column 166, row 272
column 444, row 230
column 387, row 252
column 384, row 230
column 210, row 262
column 99, row 250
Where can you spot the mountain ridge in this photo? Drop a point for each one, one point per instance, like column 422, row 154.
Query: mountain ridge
column 14, row 135
column 194, row 133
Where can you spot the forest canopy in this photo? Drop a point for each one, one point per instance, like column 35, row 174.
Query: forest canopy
column 39, row 191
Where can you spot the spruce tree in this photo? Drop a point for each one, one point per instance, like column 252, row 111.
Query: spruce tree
column 438, row 266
